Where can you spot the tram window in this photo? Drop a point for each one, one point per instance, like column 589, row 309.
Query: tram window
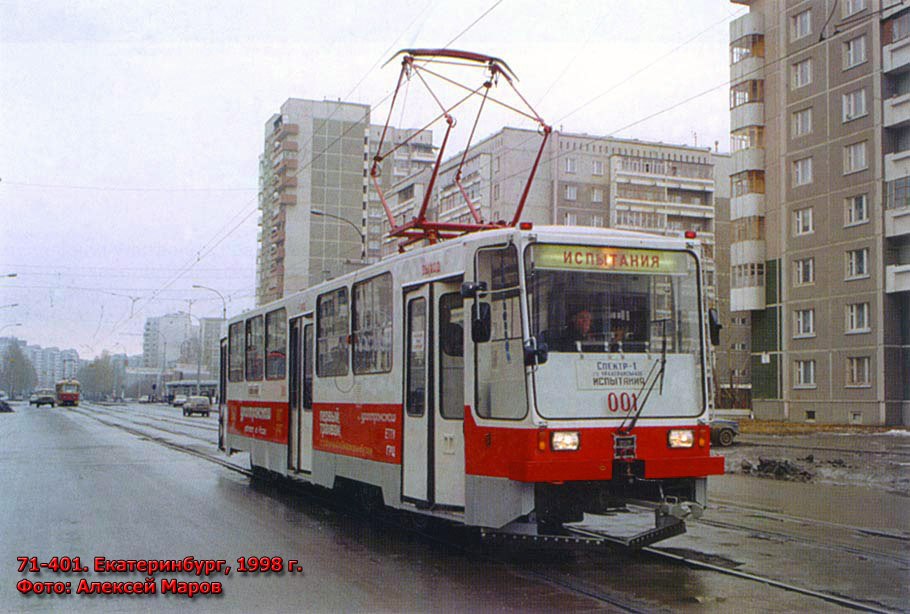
column 275, row 343
column 417, row 357
column 372, row 325
column 254, row 348
column 235, row 352
column 308, row 366
column 499, row 363
column 451, row 356
column 332, row 333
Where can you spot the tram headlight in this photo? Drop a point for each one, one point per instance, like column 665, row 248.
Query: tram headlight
column 681, row 438
column 564, row 440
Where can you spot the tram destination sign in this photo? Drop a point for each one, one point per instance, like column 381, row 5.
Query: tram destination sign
column 618, row 259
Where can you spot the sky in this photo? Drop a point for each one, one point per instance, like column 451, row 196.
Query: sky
column 130, row 131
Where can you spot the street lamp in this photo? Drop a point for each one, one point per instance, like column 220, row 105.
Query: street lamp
column 10, row 305
column 363, row 240
column 3, row 328
column 223, row 303
column 10, row 275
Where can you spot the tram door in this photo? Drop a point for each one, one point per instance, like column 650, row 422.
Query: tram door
column 300, row 397
column 433, row 454
column 222, row 394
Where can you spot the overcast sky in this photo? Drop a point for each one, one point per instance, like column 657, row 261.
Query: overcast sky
column 130, row 131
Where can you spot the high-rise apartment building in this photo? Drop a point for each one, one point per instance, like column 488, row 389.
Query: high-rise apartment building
column 165, row 339
column 582, row 180
column 820, row 206
column 314, row 191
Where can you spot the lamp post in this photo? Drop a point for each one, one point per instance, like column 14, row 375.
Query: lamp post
column 223, row 303
column 4, row 327
column 10, row 305
column 10, row 275
column 363, row 240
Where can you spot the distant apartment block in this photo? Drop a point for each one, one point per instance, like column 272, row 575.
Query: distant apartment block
column 820, row 207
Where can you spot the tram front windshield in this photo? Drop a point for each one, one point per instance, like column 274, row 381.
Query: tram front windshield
column 609, row 317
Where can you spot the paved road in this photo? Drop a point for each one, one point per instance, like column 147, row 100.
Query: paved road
column 75, row 486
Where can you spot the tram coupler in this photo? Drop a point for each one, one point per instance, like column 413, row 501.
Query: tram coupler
column 672, row 507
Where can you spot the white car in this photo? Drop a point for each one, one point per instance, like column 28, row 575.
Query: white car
column 197, row 405
column 179, row 400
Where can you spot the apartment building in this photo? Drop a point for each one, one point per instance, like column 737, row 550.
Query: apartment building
column 819, row 208
column 165, row 339
column 315, row 191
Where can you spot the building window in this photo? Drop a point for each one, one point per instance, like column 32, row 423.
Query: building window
column 598, row 167
column 858, row 318
column 746, row 92
column 571, row 192
column 802, row 222
column 854, row 51
column 751, row 45
column 802, row 122
column 858, row 371
column 571, row 218
column 855, row 157
column 803, row 323
column 898, row 195
column 802, row 171
column 496, row 164
column 801, row 24
column 854, row 104
column 748, row 275
column 802, row 73
column 810, row 415
column 752, row 137
column 570, row 165
column 804, row 271
column 853, row 6
column 858, row 263
column 857, row 209
column 900, row 27
column 496, row 192
column 805, row 374
column 747, row 182
column 597, row 195
column 597, row 220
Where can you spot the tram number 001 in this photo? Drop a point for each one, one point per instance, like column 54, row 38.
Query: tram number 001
column 624, row 401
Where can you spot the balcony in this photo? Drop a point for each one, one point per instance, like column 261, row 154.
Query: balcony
column 749, row 68
column 896, row 55
column 288, row 182
column 897, row 165
column 747, row 299
column 745, row 252
column 896, row 110
column 750, row 23
column 751, row 159
column 897, row 222
column 897, row 278
column 747, row 205
column 749, row 114
column 287, row 199
column 286, row 130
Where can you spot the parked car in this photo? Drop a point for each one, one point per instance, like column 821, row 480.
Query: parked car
column 197, row 405
column 179, row 400
column 32, row 398
column 723, row 432
column 45, row 397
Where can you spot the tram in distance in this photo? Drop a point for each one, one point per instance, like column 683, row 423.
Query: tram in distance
column 522, row 380
column 67, row 392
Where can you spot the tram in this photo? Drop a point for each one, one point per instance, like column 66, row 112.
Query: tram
column 67, row 391
column 452, row 381
column 531, row 381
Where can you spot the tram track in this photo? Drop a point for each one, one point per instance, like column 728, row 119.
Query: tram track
column 156, row 427
column 756, row 444
column 561, row 580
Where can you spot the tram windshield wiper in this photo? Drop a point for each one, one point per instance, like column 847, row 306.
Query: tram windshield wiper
column 655, row 375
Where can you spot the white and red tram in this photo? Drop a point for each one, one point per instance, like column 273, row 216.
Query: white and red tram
column 450, row 380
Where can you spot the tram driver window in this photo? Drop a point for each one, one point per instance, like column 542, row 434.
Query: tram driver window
column 499, row 363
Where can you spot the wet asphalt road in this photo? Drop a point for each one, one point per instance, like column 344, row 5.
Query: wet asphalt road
column 72, row 486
